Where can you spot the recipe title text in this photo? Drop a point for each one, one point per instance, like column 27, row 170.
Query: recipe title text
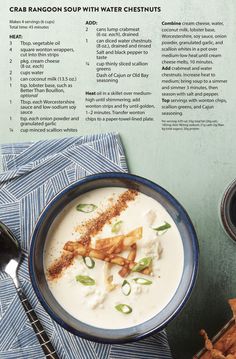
column 86, row 9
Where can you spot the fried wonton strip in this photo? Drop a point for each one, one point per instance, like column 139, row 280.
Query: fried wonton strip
column 118, row 243
column 223, row 348
column 124, row 271
column 131, row 256
column 232, row 303
column 79, row 249
column 132, row 253
column 109, row 242
column 208, row 343
column 114, row 246
column 216, row 354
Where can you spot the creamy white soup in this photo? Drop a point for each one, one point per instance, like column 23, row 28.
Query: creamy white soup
column 113, row 258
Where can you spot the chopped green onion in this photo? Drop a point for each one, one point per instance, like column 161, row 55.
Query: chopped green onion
column 86, row 208
column 124, row 308
column 142, row 264
column 162, row 228
column 126, row 288
column 142, row 281
column 89, row 262
column 116, row 227
column 85, row 280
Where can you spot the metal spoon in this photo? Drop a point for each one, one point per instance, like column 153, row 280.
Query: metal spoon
column 10, row 256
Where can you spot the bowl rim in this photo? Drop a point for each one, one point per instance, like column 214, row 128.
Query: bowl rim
column 225, row 220
column 195, row 251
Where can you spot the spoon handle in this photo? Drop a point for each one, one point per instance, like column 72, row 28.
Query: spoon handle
column 42, row 336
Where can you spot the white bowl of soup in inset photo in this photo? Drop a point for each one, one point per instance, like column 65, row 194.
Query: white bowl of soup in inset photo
column 113, row 257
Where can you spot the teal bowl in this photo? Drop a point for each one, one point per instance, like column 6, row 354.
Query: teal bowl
column 190, row 248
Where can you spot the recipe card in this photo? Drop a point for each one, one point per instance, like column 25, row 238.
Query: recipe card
column 162, row 75
column 139, row 65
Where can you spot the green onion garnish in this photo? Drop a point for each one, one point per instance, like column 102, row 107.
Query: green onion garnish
column 85, row 280
column 162, row 228
column 124, row 308
column 142, row 281
column 86, row 208
column 126, row 288
column 116, row 227
column 142, row 264
column 89, row 262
